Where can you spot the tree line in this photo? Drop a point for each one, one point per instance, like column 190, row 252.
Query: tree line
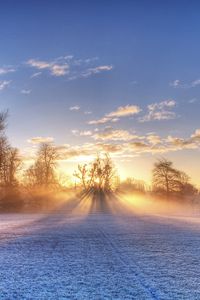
column 100, row 175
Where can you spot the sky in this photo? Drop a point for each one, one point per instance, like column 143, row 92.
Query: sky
column 103, row 76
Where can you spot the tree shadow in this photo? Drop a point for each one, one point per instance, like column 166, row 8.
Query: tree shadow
column 99, row 203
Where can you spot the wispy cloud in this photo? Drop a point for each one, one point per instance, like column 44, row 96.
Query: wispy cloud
column 54, row 68
column 99, row 121
column 76, row 107
column 122, row 144
column 179, row 84
column 124, row 111
column 37, row 74
column 176, row 83
column 196, row 135
column 114, row 116
column 68, row 66
column 160, row 111
column 81, row 133
column 87, row 112
column 6, row 70
column 154, row 144
column 40, row 140
column 195, row 83
column 25, row 92
column 86, row 133
column 114, row 135
column 193, row 100
column 96, row 70
column 153, row 139
column 4, row 84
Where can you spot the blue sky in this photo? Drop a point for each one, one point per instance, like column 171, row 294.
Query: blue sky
column 133, row 64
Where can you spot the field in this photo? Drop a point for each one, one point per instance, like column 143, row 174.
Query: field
column 100, row 249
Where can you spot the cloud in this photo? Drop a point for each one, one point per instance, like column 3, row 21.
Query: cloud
column 76, row 107
column 68, row 152
column 193, row 100
column 178, row 84
column 59, row 70
column 87, row 112
column 86, row 61
column 126, row 144
column 102, row 68
column 25, row 92
column 114, row 135
column 6, row 70
column 54, row 68
column 4, row 84
column 196, row 135
column 99, row 121
column 81, row 133
column 163, row 145
column 75, row 131
column 87, row 151
column 38, row 64
column 180, row 143
column 40, row 140
column 114, row 116
column 37, row 74
column 162, row 105
column 122, row 144
column 96, row 70
column 139, row 146
column 110, row 148
column 169, row 144
column 124, row 111
column 195, row 83
column 160, row 111
column 154, row 139
column 86, row 133
column 68, row 66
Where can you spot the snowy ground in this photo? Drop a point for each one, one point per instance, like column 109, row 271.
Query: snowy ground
column 98, row 254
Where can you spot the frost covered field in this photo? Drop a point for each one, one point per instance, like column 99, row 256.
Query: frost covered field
column 99, row 251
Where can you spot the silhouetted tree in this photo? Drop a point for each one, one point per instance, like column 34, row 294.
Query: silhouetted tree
column 10, row 161
column 3, row 145
column 185, row 188
column 168, row 180
column 99, row 175
column 11, row 166
column 43, row 172
column 3, row 120
column 164, row 176
column 82, row 174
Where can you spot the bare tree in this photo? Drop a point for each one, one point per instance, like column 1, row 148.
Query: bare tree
column 4, row 147
column 82, row 174
column 9, row 157
column 3, row 120
column 3, row 144
column 185, row 188
column 11, row 166
column 164, row 176
column 43, row 172
column 108, row 174
column 99, row 175
column 168, row 180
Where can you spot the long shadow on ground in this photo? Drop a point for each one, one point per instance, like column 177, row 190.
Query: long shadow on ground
column 99, row 253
